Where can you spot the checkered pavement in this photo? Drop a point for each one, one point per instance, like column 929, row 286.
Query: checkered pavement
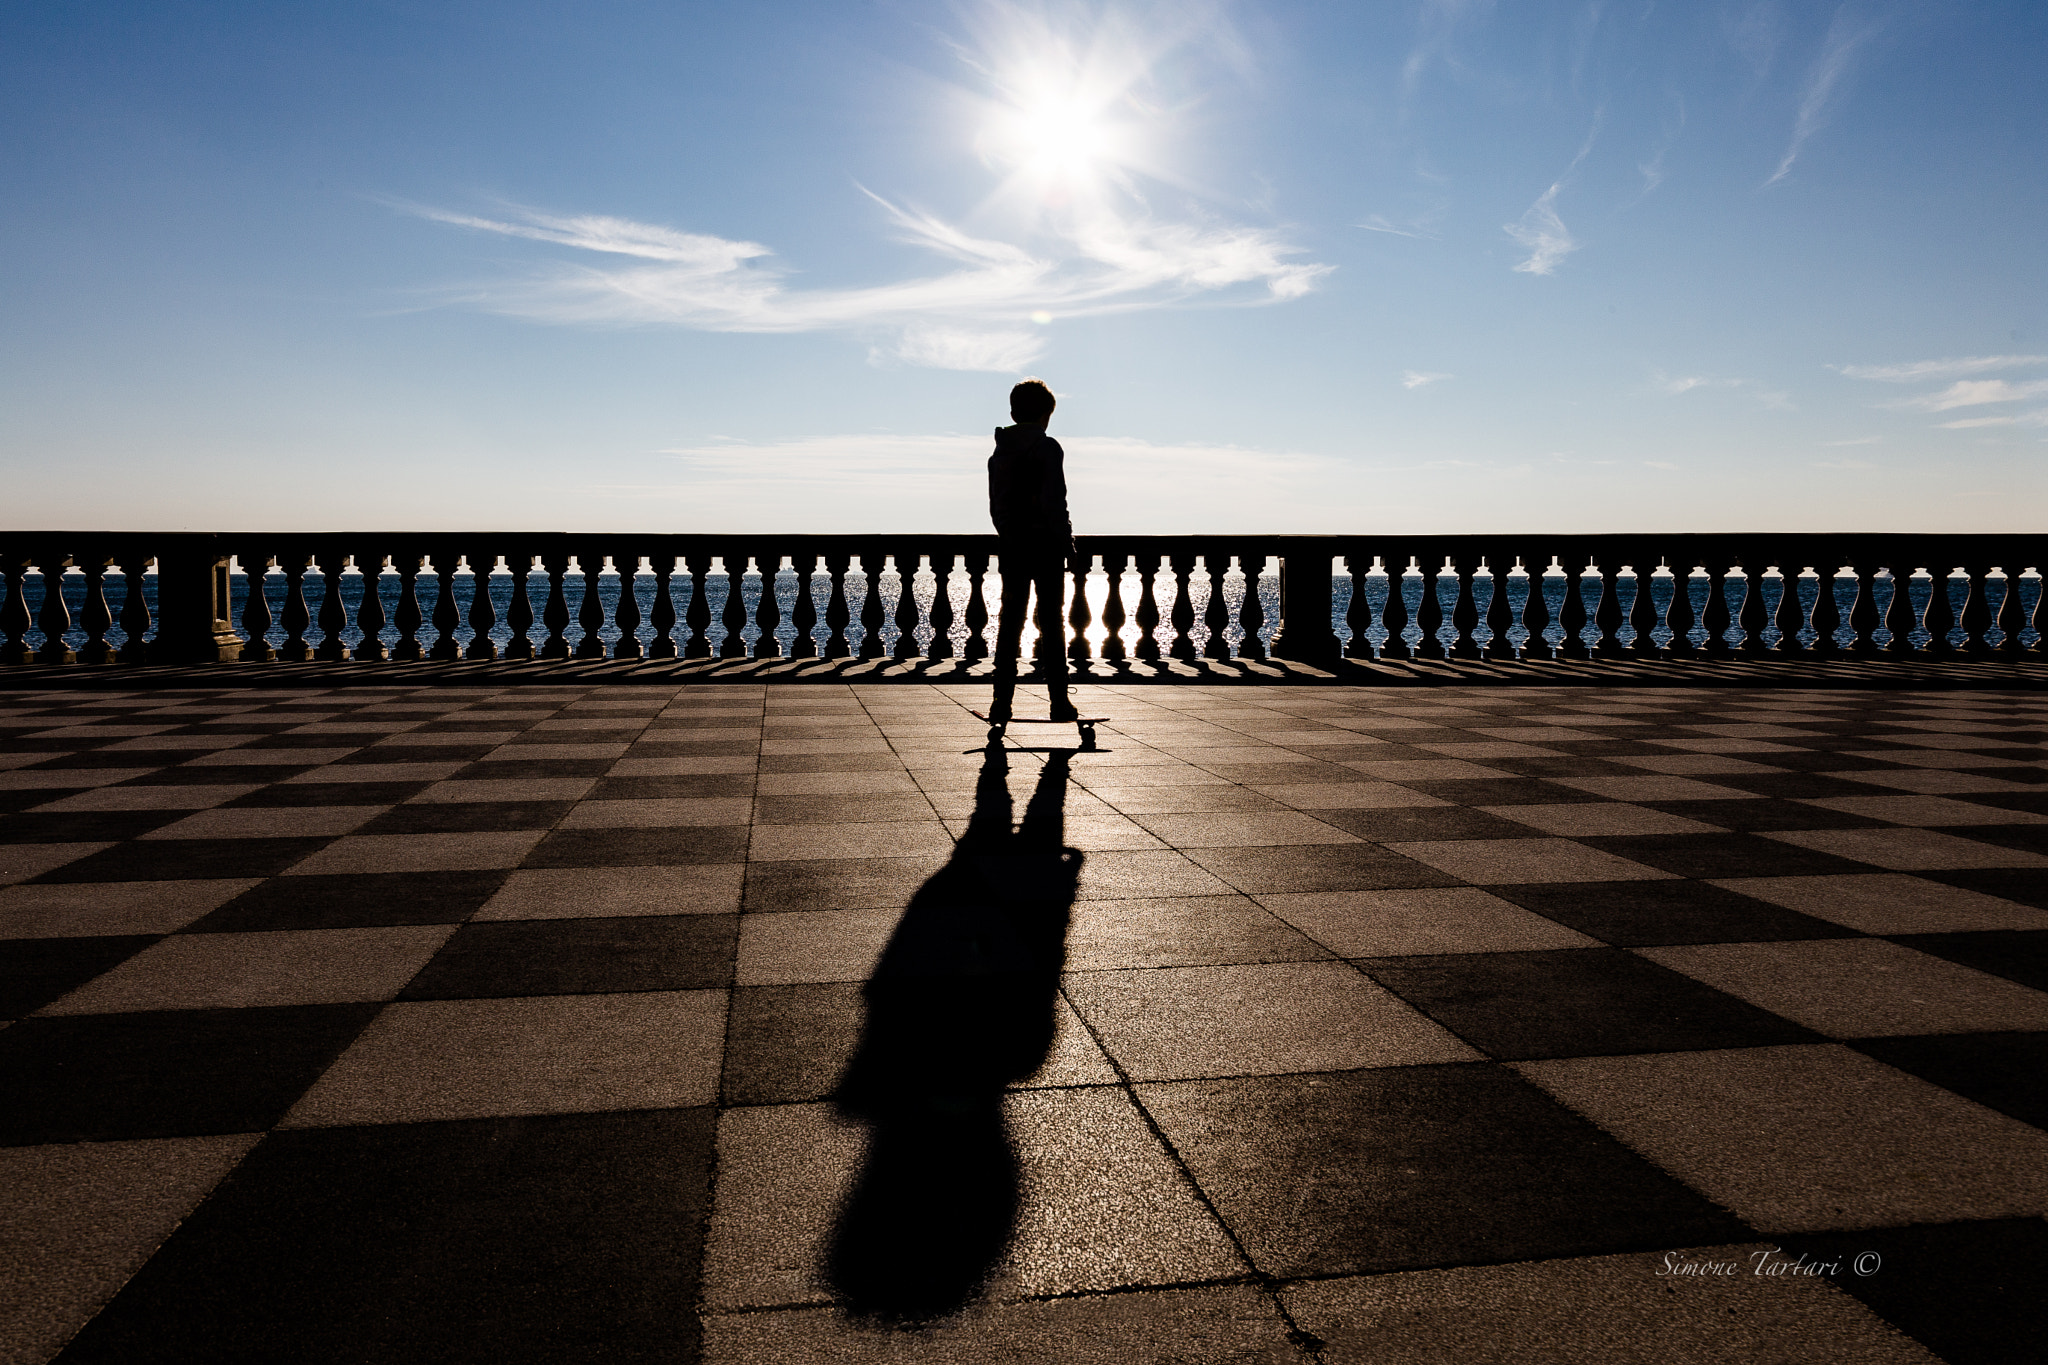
column 524, row 1023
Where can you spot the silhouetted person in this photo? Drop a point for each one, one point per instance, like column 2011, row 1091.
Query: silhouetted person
column 960, row 1005
column 1027, row 500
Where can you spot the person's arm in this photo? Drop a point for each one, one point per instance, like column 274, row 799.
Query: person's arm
column 1053, row 493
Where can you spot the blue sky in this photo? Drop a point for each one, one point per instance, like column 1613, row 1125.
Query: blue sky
column 1437, row 265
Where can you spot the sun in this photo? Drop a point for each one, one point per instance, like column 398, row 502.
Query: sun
column 1057, row 137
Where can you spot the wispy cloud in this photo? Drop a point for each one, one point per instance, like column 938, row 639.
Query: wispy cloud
column 1953, row 367
column 1857, row 441
column 1775, row 399
column 1970, row 393
column 2025, row 419
column 1436, row 36
column 1417, row 379
column 1847, row 33
column 1540, row 231
column 1378, row 223
column 1843, row 464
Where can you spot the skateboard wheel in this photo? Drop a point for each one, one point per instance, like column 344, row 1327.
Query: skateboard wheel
column 995, row 732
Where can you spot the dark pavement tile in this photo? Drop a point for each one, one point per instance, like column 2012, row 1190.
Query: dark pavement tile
column 1315, row 867
column 1576, row 1002
column 1502, row 791
column 152, row 860
column 83, row 826
column 836, row 883
column 2003, row 1071
column 2016, row 954
column 794, row 810
column 831, row 763
column 467, row 817
column 1970, row 1292
column 35, row 971
column 1641, row 914
column 672, row 788
column 1396, row 823
column 1792, row 786
column 361, row 900
column 2027, row 838
column 328, row 794
column 1722, row 855
column 1566, row 765
column 526, row 770
column 2028, row 886
column 1763, row 814
column 226, row 774
column 580, row 957
column 1355, row 1171
column 789, row 1044
column 676, row 847
column 103, row 1077
column 545, row 1239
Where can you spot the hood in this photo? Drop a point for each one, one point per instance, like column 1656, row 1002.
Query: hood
column 1017, row 440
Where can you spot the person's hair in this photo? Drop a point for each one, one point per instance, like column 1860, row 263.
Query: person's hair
column 1032, row 399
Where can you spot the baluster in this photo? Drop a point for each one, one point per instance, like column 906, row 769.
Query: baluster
column 698, row 614
column 2034, row 618
column 1079, row 614
column 734, row 617
column 942, row 606
column 626, row 616
column 135, row 617
column 554, row 613
column 1679, row 616
column 768, row 609
column 803, row 617
column 370, row 615
column 519, row 611
column 1182, row 646
column 1115, row 564
column 1898, row 611
column 1252, row 615
column 295, row 618
column 1643, row 616
column 590, row 611
column 54, row 619
column 1429, row 613
column 2011, row 617
column 447, row 615
column 1607, row 617
column 483, row 612
column 907, row 614
column 1863, row 610
column 1827, row 612
column 871, row 616
column 1976, row 619
column 408, row 616
column 1536, row 613
column 1753, row 617
column 663, row 616
column 975, row 617
column 97, row 619
column 1500, row 611
column 1940, row 617
column 1715, row 618
column 14, row 617
column 1217, row 616
column 1790, row 618
column 1147, row 614
column 333, row 611
column 1394, row 617
column 1571, row 614
column 1358, row 611
column 837, row 613
column 1464, row 611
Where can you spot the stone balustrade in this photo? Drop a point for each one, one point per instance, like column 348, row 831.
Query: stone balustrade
column 1315, row 599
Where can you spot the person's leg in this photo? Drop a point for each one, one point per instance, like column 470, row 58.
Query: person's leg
column 1050, row 576
column 1016, row 579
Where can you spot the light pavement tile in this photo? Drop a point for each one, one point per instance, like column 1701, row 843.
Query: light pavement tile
column 1244, row 829
column 1100, row 1203
column 673, row 738
column 878, row 839
column 605, row 892
column 23, row 760
column 1810, row 1137
column 1929, row 758
column 151, row 798
column 1890, row 903
column 1091, row 772
column 1537, row 734
column 1978, row 737
column 1497, row 862
column 19, row 862
column 1722, row 746
column 1691, row 763
column 429, row 1060
column 638, row 765
column 420, row 852
column 1589, row 819
column 98, row 731
column 660, row 813
column 1144, row 875
column 35, row 779
column 1347, row 795
column 243, row 971
column 784, row 948
column 1422, row 769
column 529, row 753
column 1313, row 739
column 609, row 721
column 858, row 745
column 1926, row 810
column 1180, row 932
column 1860, row 987
column 163, row 743
column 1933, row 782
column 1907, row 850
column 1751, row 730
column 836, row 784
column 268, row 822
column 282, row 758
column 508, row 789
column 414, row 739
column 107, row 909
column 1644, row 1308
column 78, row 1220
column 1490, row 749
column 1664, row 788
column 1451, row 919
column 367, row 725
column 381, row 772
column 1091, row 833
column 1266, row 1019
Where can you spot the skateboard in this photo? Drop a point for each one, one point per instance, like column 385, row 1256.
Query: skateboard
column 1087, row 725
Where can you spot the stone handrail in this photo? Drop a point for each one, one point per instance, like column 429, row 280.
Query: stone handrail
column 1312, row 599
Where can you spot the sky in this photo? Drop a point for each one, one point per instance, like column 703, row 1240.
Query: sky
column 1393, row 265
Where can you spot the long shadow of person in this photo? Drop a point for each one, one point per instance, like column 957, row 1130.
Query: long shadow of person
column 961, row 1004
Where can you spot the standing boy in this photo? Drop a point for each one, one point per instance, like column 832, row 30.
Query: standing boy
column 1027, row 500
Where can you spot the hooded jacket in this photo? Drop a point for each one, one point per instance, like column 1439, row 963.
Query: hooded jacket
column 1027, row 486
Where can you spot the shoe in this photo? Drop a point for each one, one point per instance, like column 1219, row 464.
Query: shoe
column 998, row 712
column 1062, row 709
